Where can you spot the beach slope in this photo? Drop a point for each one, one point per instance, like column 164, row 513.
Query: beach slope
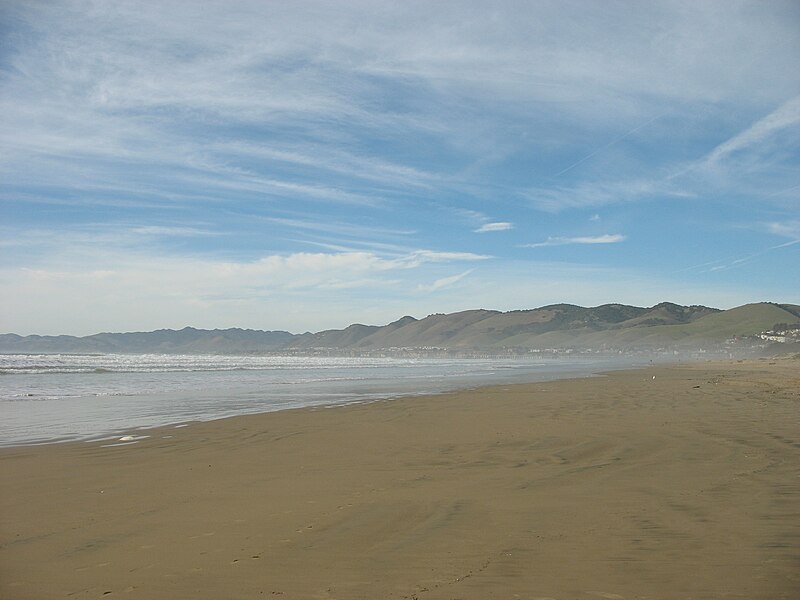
column 660, row 483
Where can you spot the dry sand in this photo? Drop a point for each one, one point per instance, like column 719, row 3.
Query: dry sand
column 682, row 486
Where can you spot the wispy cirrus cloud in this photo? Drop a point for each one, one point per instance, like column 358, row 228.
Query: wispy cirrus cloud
column 590, row 194
column 789, row 228
column 727, row 264
column 337, row 227
column 127, row 287
column 420, row 257
column 362, row 147
column 589, row 240
column 758, row 162
column 160, row 230
column 134, row 81
column 611, row 143
column 444, row 282
column 325, row 158
column 785, row 117
column 499, row 226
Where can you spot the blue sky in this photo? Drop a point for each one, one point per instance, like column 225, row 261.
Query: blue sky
column 306, row 165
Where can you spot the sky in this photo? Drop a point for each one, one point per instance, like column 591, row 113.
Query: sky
column 307, row 165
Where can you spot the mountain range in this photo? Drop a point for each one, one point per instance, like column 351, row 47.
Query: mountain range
column 613, row 327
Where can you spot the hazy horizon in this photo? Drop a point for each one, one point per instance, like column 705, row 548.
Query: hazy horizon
column 398, row 317
column 395, row 319
column 307, row 166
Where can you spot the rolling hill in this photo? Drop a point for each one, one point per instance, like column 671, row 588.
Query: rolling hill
column 615, row 327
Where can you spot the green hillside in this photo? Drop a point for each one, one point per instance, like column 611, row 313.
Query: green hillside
column 750, row 319
column 716, row 327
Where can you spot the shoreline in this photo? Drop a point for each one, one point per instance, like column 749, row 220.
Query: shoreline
column 625, row 486
column 394, row 390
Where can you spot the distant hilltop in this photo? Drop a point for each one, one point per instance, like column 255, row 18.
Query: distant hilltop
column 555, row 328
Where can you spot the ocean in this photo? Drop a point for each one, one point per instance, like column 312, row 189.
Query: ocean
column 48, row 398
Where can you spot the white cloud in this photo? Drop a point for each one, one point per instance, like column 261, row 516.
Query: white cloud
column 782, row 118
column 444, row 282
column 332, row 159
column 420, row 257
column 339, row 228
column 589, row 194
column 789, row 228
column 314, row 292
column 563, row 241
column 307, row 269
column 501, row 226
column 354, row 127
column 118, row 290
column 160, row 230
column 134, row 83
column 609, row 144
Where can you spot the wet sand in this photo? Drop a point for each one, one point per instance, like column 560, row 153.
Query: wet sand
column 622, row 486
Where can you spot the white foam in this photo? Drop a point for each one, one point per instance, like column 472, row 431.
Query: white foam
column 120, row 444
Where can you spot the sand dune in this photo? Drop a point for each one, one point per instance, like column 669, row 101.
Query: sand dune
column 625, row 486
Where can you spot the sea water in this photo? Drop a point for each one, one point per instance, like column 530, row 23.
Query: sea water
column 62, row 397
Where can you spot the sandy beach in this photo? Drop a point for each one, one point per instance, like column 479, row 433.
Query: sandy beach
column 662, row 483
